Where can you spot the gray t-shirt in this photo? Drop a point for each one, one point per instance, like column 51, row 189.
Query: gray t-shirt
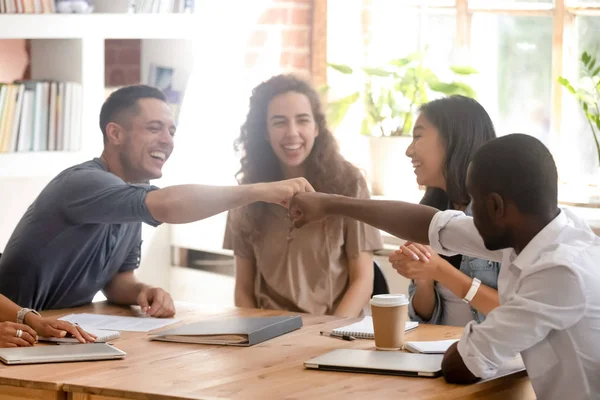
column 83, row 229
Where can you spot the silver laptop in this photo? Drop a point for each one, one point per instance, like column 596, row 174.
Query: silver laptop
column 60, row 353
column 379, row 362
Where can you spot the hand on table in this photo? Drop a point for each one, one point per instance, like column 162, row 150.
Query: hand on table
column 16, row 335
column 156, row 302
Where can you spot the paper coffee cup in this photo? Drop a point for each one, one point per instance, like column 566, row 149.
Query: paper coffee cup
column 390, row 314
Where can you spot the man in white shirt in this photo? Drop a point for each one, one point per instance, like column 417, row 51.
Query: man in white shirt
column 549, row 283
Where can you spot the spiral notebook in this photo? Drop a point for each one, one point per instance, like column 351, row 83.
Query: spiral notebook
column 364, row 329
column 102, row 336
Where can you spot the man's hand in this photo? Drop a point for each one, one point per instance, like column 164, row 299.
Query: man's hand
column 454, row 368
column 308, row 207
column 281, row 192
column 416, row 261
column 52, row 327
column 155, row 302
column 16, row 335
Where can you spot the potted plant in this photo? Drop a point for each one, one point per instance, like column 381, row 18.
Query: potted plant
column 390, row 97
column 588, row 94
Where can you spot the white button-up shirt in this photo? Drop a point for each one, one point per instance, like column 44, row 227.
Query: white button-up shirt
column 549, row 305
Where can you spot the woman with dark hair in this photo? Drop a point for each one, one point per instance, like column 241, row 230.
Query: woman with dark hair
column 325, row 268
column 446, row 134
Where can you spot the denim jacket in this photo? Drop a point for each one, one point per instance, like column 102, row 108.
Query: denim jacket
column 484, row 270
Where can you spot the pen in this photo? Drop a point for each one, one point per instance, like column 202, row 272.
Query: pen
column 343, row 337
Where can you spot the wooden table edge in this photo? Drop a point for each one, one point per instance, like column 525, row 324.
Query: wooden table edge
column 113, row 393
column 27, row 383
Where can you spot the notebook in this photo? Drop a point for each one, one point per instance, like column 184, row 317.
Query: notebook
column 378, row 362
column 53, row 354
column 432, row 347
column 234, row 331
column 102, row 336
column 364, row 329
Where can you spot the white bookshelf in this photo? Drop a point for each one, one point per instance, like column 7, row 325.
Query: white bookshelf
column 105, row 26
column 70, row 47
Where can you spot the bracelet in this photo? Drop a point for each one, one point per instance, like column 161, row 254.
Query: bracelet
column 472, row 290
column 23, row 312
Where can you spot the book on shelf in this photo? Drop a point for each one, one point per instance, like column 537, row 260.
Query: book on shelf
column 40, row 116
column 27, row 6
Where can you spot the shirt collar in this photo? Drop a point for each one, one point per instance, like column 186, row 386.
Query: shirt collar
column 544, row 237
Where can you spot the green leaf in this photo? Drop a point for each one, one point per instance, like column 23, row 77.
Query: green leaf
column 592, row 64
column 336, row 110
column 596, row 72
column 565, row 83
column 378, row 72
column 463, row 70
column 585, row 107
column 344, row 69
column 401, row 62
column 585, row 58
column 452, row 88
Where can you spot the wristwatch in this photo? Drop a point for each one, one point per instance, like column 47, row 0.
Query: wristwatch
column 472, row 290
column 23, row 312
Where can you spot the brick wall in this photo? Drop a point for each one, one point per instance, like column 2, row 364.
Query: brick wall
column 122, row 62
column 290, row 22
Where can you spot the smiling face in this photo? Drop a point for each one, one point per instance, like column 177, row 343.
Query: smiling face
column 427, row 152
column 291, row 129
column 147, row 140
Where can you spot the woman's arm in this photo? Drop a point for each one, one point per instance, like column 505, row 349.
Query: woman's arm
column 484, row 301
column 360, row 286
column 423, row 300
column 245, row 273
column 417, row 261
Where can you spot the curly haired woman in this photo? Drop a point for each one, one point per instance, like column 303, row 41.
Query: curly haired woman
column 325, row 268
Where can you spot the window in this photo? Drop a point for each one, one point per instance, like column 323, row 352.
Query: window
column 519, row 47
column 576, row 141
column 513, row 55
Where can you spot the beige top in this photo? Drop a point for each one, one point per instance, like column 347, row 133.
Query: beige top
column 305, row 270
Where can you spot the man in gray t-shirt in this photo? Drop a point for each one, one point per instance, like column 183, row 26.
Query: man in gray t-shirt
column 83, row 228
column 83, row 232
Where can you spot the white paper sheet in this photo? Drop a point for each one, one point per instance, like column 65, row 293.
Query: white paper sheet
column 118, row 323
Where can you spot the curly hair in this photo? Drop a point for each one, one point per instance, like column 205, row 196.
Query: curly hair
column 326, row 169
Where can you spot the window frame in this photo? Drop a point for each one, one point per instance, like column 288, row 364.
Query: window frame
column 564, row 38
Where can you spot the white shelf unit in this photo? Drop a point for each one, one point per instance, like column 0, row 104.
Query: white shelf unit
column 70, row 47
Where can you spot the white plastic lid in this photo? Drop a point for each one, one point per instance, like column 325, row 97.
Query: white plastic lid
column 389, row 300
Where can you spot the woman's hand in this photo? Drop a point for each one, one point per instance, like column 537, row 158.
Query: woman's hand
column 16, row 335
column 52, row 327
column 416, row 261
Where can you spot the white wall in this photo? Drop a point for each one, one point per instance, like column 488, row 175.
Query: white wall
column 155, row 267
column 17, row 195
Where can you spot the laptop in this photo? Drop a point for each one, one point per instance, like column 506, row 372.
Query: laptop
column 60, row 353
column 378, row 362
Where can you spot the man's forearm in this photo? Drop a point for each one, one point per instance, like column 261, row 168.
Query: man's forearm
column 123, row 289
column 404, row 220
column 188, row 203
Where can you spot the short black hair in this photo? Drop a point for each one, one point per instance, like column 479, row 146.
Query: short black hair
column 125, row 99
column 518, row 167
column 464, row 126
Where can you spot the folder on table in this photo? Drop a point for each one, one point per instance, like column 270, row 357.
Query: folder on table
column 233, row 331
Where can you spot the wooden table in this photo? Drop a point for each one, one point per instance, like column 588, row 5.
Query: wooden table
column 273, row 369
